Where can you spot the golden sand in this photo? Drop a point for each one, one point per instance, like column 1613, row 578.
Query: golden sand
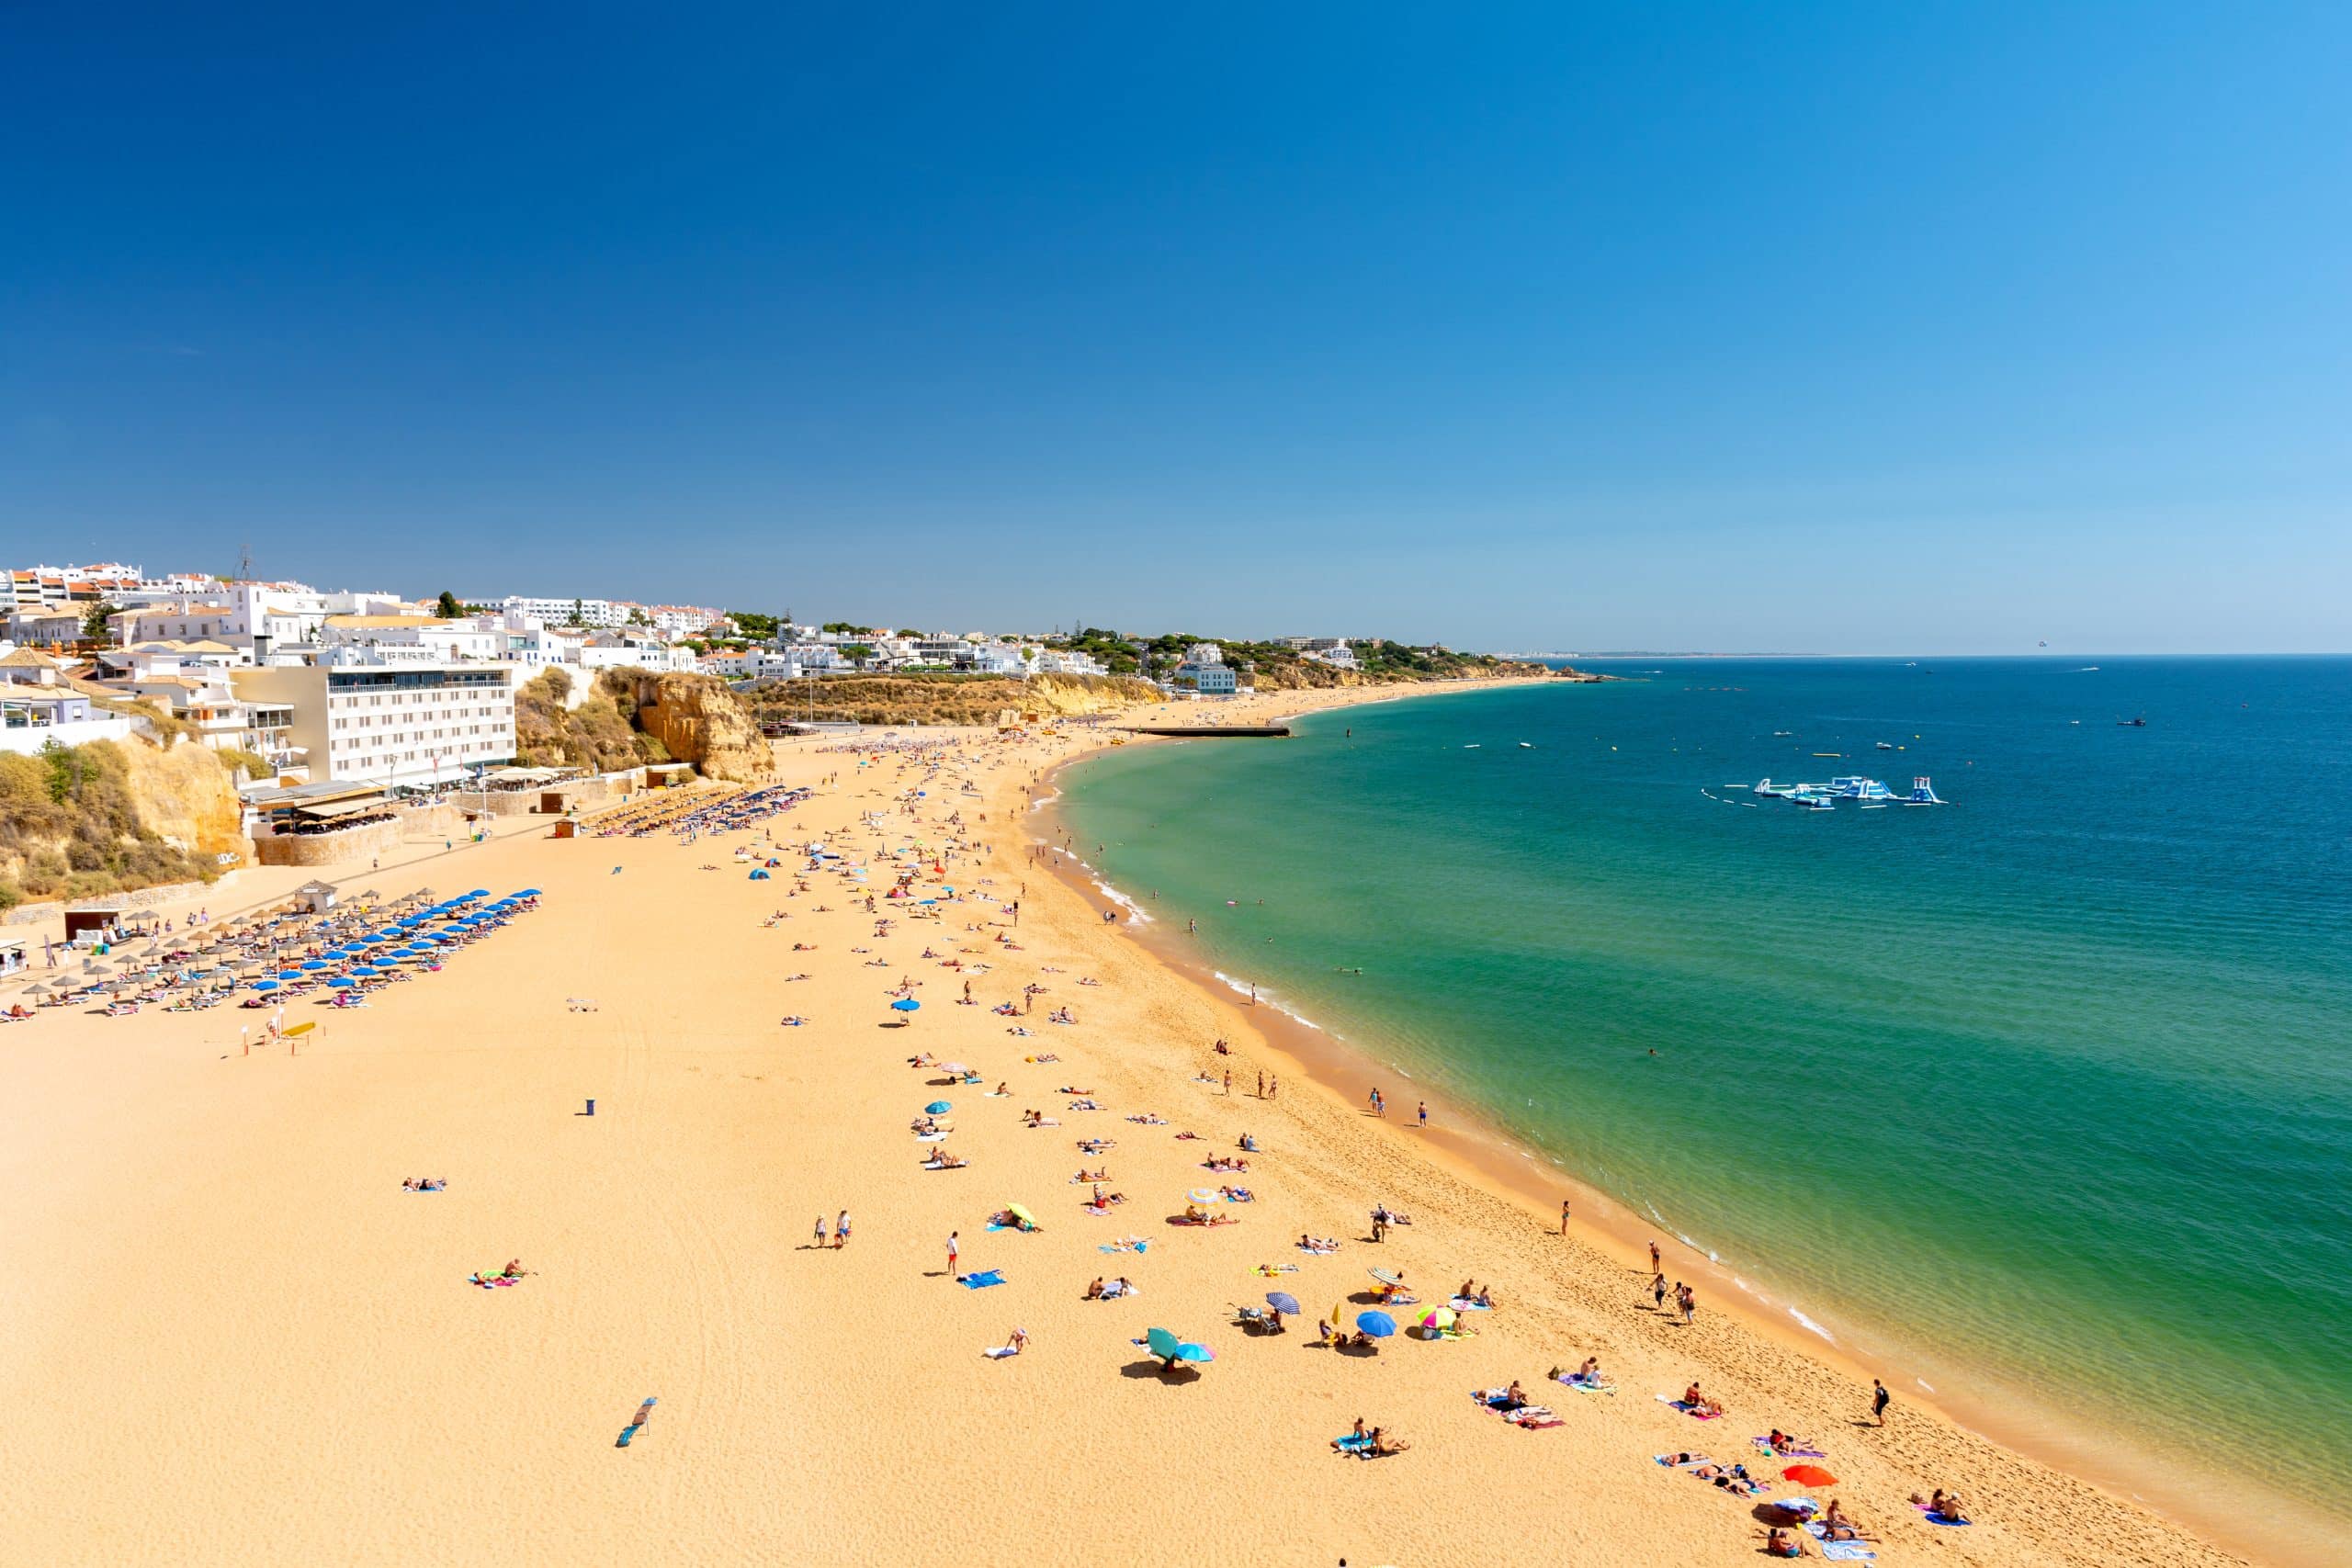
column 230, row 1336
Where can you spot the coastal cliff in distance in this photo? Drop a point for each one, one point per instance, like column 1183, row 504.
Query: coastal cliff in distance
column 947, row 699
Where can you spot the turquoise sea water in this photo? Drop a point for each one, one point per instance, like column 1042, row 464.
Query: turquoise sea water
column 2048, row 1091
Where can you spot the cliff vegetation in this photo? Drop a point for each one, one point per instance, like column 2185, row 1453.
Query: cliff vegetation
column 107, row 817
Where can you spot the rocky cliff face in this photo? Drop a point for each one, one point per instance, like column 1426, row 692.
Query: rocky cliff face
column 916, row 699
column 697, row 719
column 111, row 817
column 189, row 800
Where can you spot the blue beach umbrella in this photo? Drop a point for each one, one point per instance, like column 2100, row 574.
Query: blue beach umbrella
column 364, row 969
column 528, row 893
column 937, row 1108
column 289, row 974
column 314, row 965
column 264, row 985
column 1283, row 1301
column 479, row 893
column 906, row 1004
column 1379, row 1324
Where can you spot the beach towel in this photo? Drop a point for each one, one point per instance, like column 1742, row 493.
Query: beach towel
column 1571, row 1379
column 1838, row 1550
column 999, row 1352
column 982, row 1280
column 1351, row 1444
column 1668, row 1400
column 1463, row 1303
column 1534, row 1418
column 1939, row 1520
column 930, row 1137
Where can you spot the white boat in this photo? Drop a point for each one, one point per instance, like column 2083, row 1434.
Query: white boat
column 1527, row 745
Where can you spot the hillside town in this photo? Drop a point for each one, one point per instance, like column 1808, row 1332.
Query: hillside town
column 328, row 708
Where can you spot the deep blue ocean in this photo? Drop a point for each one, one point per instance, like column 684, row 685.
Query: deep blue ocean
column 2045, row 1093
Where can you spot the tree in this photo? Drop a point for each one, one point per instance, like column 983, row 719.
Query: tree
column 448, row 608
column 94, row 625
column 579, row 616
column 857, row 653
column 637, row 617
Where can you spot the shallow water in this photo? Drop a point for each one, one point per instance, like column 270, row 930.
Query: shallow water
column 2048, row 1091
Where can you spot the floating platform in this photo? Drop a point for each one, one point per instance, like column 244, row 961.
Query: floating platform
column 1212, row 731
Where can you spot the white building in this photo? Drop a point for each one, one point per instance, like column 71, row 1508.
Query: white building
column 359, row 718
column 676, row 621
column 1331, row 650
column 1209, row 679
column 416, row 639
column 559, row 612
column 1205, row 653
column 1068, row 662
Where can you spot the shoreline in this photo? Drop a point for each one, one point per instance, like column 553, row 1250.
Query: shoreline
column 1476, row 1149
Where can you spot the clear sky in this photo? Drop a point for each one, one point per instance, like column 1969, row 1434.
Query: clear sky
column 1871, row 327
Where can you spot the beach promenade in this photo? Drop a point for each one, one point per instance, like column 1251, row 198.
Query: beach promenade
column 232, row 1337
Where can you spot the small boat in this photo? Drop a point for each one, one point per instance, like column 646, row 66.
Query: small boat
column 1782, row 734
column 1886, row 746
column 1829, row 754
column 1527, row 745
column 2131, row 724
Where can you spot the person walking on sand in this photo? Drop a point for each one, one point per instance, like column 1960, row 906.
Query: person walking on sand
column 1689, row 1299
column 1563, row 1216
column 1653, row 1254
column 1425, row 1113
column 1262, row 1083
column 1657, row 1291
column 820, row 1232
column 841, row 1231
column 1880, row 1400
column 1228, row 1081
column 952, row 1254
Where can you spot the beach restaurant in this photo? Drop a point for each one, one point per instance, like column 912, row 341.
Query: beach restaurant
column 12, row 953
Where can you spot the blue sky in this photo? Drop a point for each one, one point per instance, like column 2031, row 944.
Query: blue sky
column 1851, row 328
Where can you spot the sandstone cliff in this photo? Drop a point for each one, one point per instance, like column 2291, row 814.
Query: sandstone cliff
column 110, row 816
column 697, row 719
column 950, row 699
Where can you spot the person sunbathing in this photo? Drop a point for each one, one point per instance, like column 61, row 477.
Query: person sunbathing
column 1787, row 1442
column 941, row 1160
column 1095, row 1291
column 1780, row 1543
column 1384, row 1445
column 1357, row 1437
column 1837, row 1526
column 1321, row 1245
column 1513, row 1397
column 1945, row 1506
column 1699, row 1404
column 1589, row 1373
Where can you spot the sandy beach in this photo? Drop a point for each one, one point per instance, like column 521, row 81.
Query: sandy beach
column 233, row 1335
